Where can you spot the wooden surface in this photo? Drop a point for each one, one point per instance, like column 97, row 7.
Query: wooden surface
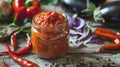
column 86, row 56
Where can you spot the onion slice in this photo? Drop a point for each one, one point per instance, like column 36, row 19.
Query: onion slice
column 78, row 31
column 76, row 22
column 85, row 33
column 75, row 33
column 79, row 23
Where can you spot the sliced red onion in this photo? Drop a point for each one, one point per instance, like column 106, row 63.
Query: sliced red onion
column 85, row 33
column 78, row 31
column 74, row 43
column 76, row 22
column 79, row 23
column 75, row 33
column 72, row 20
column 88, row 40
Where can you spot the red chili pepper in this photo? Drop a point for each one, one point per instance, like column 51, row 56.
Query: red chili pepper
column 111, row 35
column 4, row 63
column 109, row 47
column 23, row 62
column 23, row 12
column 4, row 52
column 13, row 41
column 108, row 34
column 32, row 10
column 22, row 51
column 105, row 33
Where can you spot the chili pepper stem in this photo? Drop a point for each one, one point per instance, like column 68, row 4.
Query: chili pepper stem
column 15, row 18
column 17, row 32
column 14, row 21
column 28, row 36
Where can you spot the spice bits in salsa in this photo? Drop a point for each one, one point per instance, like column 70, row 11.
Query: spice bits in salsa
column 50, row 31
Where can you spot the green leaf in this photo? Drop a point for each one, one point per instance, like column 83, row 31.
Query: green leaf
column 98, row 16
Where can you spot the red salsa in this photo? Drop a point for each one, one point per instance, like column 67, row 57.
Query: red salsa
column 49, row 33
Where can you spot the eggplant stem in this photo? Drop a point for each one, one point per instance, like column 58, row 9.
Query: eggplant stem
column 90, row 27
column 98, row 16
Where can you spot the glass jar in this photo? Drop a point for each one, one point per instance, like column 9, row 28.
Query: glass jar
column 50, row 35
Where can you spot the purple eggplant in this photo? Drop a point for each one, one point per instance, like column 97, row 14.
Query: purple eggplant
column 111, row 14
column 73, row 6
column 98, row 2
column 78, row 6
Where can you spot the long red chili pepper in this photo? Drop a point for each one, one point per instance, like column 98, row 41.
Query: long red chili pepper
column 4, row 63
column 106, row 31
column 22, row 51
column 3, row 53
column 111, row 35
column 108, row 34
column 23, row 62
column 26, row 49
column 109, row 47
column 33, row 9
column 13, row 41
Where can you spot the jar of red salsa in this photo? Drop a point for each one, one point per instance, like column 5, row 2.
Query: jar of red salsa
column 49, row 33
